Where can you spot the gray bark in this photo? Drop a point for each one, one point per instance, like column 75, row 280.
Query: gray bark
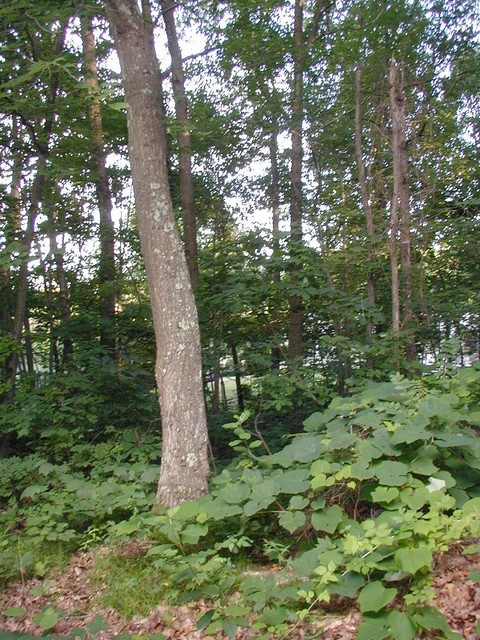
column 295, row 318
column 106, row 272
column 184, row 468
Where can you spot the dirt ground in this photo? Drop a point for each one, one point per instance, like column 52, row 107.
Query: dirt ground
column 456, row 596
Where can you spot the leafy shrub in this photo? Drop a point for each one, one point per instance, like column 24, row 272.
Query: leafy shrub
column 354, row 506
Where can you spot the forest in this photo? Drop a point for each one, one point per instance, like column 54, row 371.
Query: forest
column 240, row 319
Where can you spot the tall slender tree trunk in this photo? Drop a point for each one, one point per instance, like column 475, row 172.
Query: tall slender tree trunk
column 22, row 281
column 62, row 282
column 275, row 202
column 295, row 320
column 184, row 142
column 106, row 273
column 184, row 467
column 401, row 195
column 367, row 210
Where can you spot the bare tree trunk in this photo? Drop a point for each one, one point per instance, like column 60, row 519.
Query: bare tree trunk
column 63, row 291
column 106, row 272
column 401, row 195
column 184, row 142
column 22, row 282
column 295, row 320
column 275, row 201
column 367, row 210
column 184, row 468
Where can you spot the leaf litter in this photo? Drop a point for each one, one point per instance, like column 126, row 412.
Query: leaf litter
column 71, row 593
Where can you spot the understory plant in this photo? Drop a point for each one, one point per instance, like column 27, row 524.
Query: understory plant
column 356, row 506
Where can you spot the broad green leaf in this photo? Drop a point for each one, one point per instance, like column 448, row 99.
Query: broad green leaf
column 13, row 612
column 430, row 618
column 230, row 628
column 47, row 619
column 320, row 466
column 218, row 509
column 98, row 624
column 385, row 494
column 46, row 468
column 375, row 596
column 294, row 481
column 362, row 470
column 372, row 629
column 192, row 533
column 348, row 586
column 292, row 520
column 328, row 519
column 454, row 440
column 321, row 480
column 126, row 527
column 391, row 473
column 33, row 490
column 297, row 503
column 412, row 560
column 303, row 448
column 314, row 421
column 411, row 432
column 234, row 493
column 423, row 466
column 474, row 575
column 401, row 625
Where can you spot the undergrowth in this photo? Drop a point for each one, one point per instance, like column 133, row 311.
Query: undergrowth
column 354, row 507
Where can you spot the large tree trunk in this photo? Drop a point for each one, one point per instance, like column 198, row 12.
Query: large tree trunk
column 401, row 195
column 106, row 271
column 184, row 142
column 295, row 320
column 184, row 468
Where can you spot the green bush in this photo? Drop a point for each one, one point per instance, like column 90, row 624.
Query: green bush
column 354, row 506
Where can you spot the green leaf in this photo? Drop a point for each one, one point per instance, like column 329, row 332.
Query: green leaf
column 314, row 422
column 474, row 575
column 126, row 527
column 412, row 560
column 192, row 533
column 348, row 586
column 375, row 596
column 385, row 494
column 292, row 520
column 298, row 502
column 47, row 619
column 328, row 519
column 293, row 481
column 234, row 493
column 372, row 629
column 391, row 473
column 401, row 625
column 411, row 432
column 33, row 490
column 205, row 619
column 13, row 612
column 98, row 624
column 430, row 618
column 230, row 628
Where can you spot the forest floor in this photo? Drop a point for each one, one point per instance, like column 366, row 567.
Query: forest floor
column 72, row 592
